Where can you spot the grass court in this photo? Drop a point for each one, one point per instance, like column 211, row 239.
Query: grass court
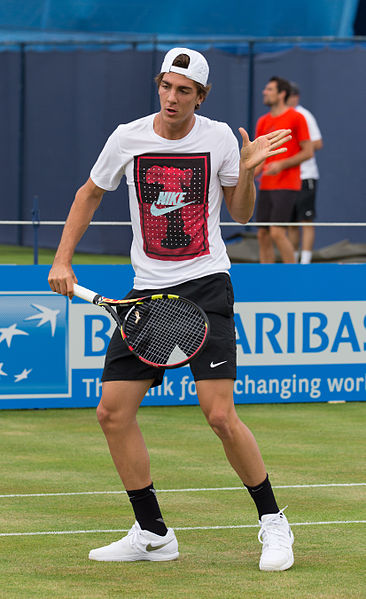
column 60, row 497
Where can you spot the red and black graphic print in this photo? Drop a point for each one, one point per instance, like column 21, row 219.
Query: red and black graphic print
column 172, row 192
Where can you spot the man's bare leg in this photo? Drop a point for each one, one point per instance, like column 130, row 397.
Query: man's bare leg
column 308, row 237
column 216, row 399
column 294, row 237
column 284, row 245
column 266, row 249
column 117, row 416
column 242, row 451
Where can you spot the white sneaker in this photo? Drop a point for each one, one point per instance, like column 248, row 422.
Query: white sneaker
column 139, row 545
column 277, row 538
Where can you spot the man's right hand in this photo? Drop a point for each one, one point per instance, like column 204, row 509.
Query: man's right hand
column 61, row 279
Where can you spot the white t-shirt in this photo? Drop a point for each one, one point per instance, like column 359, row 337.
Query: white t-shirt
column 175, row 196
column 309, row 168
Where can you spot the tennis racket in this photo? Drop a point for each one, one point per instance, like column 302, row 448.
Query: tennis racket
column 162, row 330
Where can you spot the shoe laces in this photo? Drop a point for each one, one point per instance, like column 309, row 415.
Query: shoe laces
column 136, row 536
column 134, row 533
column 274, row 531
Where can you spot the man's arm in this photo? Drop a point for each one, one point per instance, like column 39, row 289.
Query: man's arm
column 306, row 152
column 313, row 127
column 87, row 199
column 240, row 199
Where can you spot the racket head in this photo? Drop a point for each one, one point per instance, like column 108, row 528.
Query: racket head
column 165, row 330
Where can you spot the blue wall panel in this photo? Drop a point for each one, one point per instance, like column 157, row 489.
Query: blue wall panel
column 245, row 17
column 73, row 99
column 10, row 141
column 74, row 102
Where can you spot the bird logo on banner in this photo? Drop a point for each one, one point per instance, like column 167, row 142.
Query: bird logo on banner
column 33, row 344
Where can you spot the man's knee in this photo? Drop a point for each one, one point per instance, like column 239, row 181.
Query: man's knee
column 120, row 402
column 262, row 234
column 106, row 417
column 110, row 418
column 103, row 414
column 277, row 233
column 221, row 421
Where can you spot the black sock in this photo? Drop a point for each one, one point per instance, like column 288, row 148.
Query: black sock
column 264, row 498
column 147, row 511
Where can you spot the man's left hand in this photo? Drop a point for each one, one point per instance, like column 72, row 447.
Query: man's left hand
column 255, row 152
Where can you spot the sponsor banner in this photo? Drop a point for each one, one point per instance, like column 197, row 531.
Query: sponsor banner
column 301, row 337
column 34, row 331
column 256, row 384
column 295, row 333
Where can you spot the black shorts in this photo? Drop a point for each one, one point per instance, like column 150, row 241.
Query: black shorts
column 305, row 204
column 276, row 206
column 215, row 295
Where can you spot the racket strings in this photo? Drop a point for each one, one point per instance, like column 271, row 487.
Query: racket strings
column 164, row 331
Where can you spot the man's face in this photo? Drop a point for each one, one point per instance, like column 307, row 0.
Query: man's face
column 271, row 95
column 293, row 100
column 178, row 98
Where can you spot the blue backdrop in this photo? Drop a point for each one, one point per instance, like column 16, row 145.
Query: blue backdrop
column 61, row 103
column 207, row 17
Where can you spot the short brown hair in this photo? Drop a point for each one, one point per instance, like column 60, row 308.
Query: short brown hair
column 282, row 86
column 182, row 60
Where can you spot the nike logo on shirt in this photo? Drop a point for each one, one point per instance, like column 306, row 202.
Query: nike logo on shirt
column 169, row 201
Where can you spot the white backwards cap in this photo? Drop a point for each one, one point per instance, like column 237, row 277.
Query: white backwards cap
column 197, row 69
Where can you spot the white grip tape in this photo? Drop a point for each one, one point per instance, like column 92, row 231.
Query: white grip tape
column 84, row 293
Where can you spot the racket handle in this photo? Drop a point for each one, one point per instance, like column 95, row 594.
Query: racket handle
column 86, row 294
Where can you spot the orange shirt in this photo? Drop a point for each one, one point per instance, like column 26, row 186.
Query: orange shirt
column 291, row 119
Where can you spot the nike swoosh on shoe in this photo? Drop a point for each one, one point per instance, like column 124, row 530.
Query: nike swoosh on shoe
column 150, row 547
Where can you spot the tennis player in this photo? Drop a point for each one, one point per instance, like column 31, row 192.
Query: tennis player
column 178, row 167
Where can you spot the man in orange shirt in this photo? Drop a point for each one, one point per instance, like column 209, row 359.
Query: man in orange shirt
column 280, row 175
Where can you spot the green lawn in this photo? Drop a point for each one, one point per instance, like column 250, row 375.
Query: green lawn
column 13, row 254
column 64, row 451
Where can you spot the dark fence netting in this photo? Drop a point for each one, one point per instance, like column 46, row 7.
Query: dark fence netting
column 59, row 105
column 10, row 141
